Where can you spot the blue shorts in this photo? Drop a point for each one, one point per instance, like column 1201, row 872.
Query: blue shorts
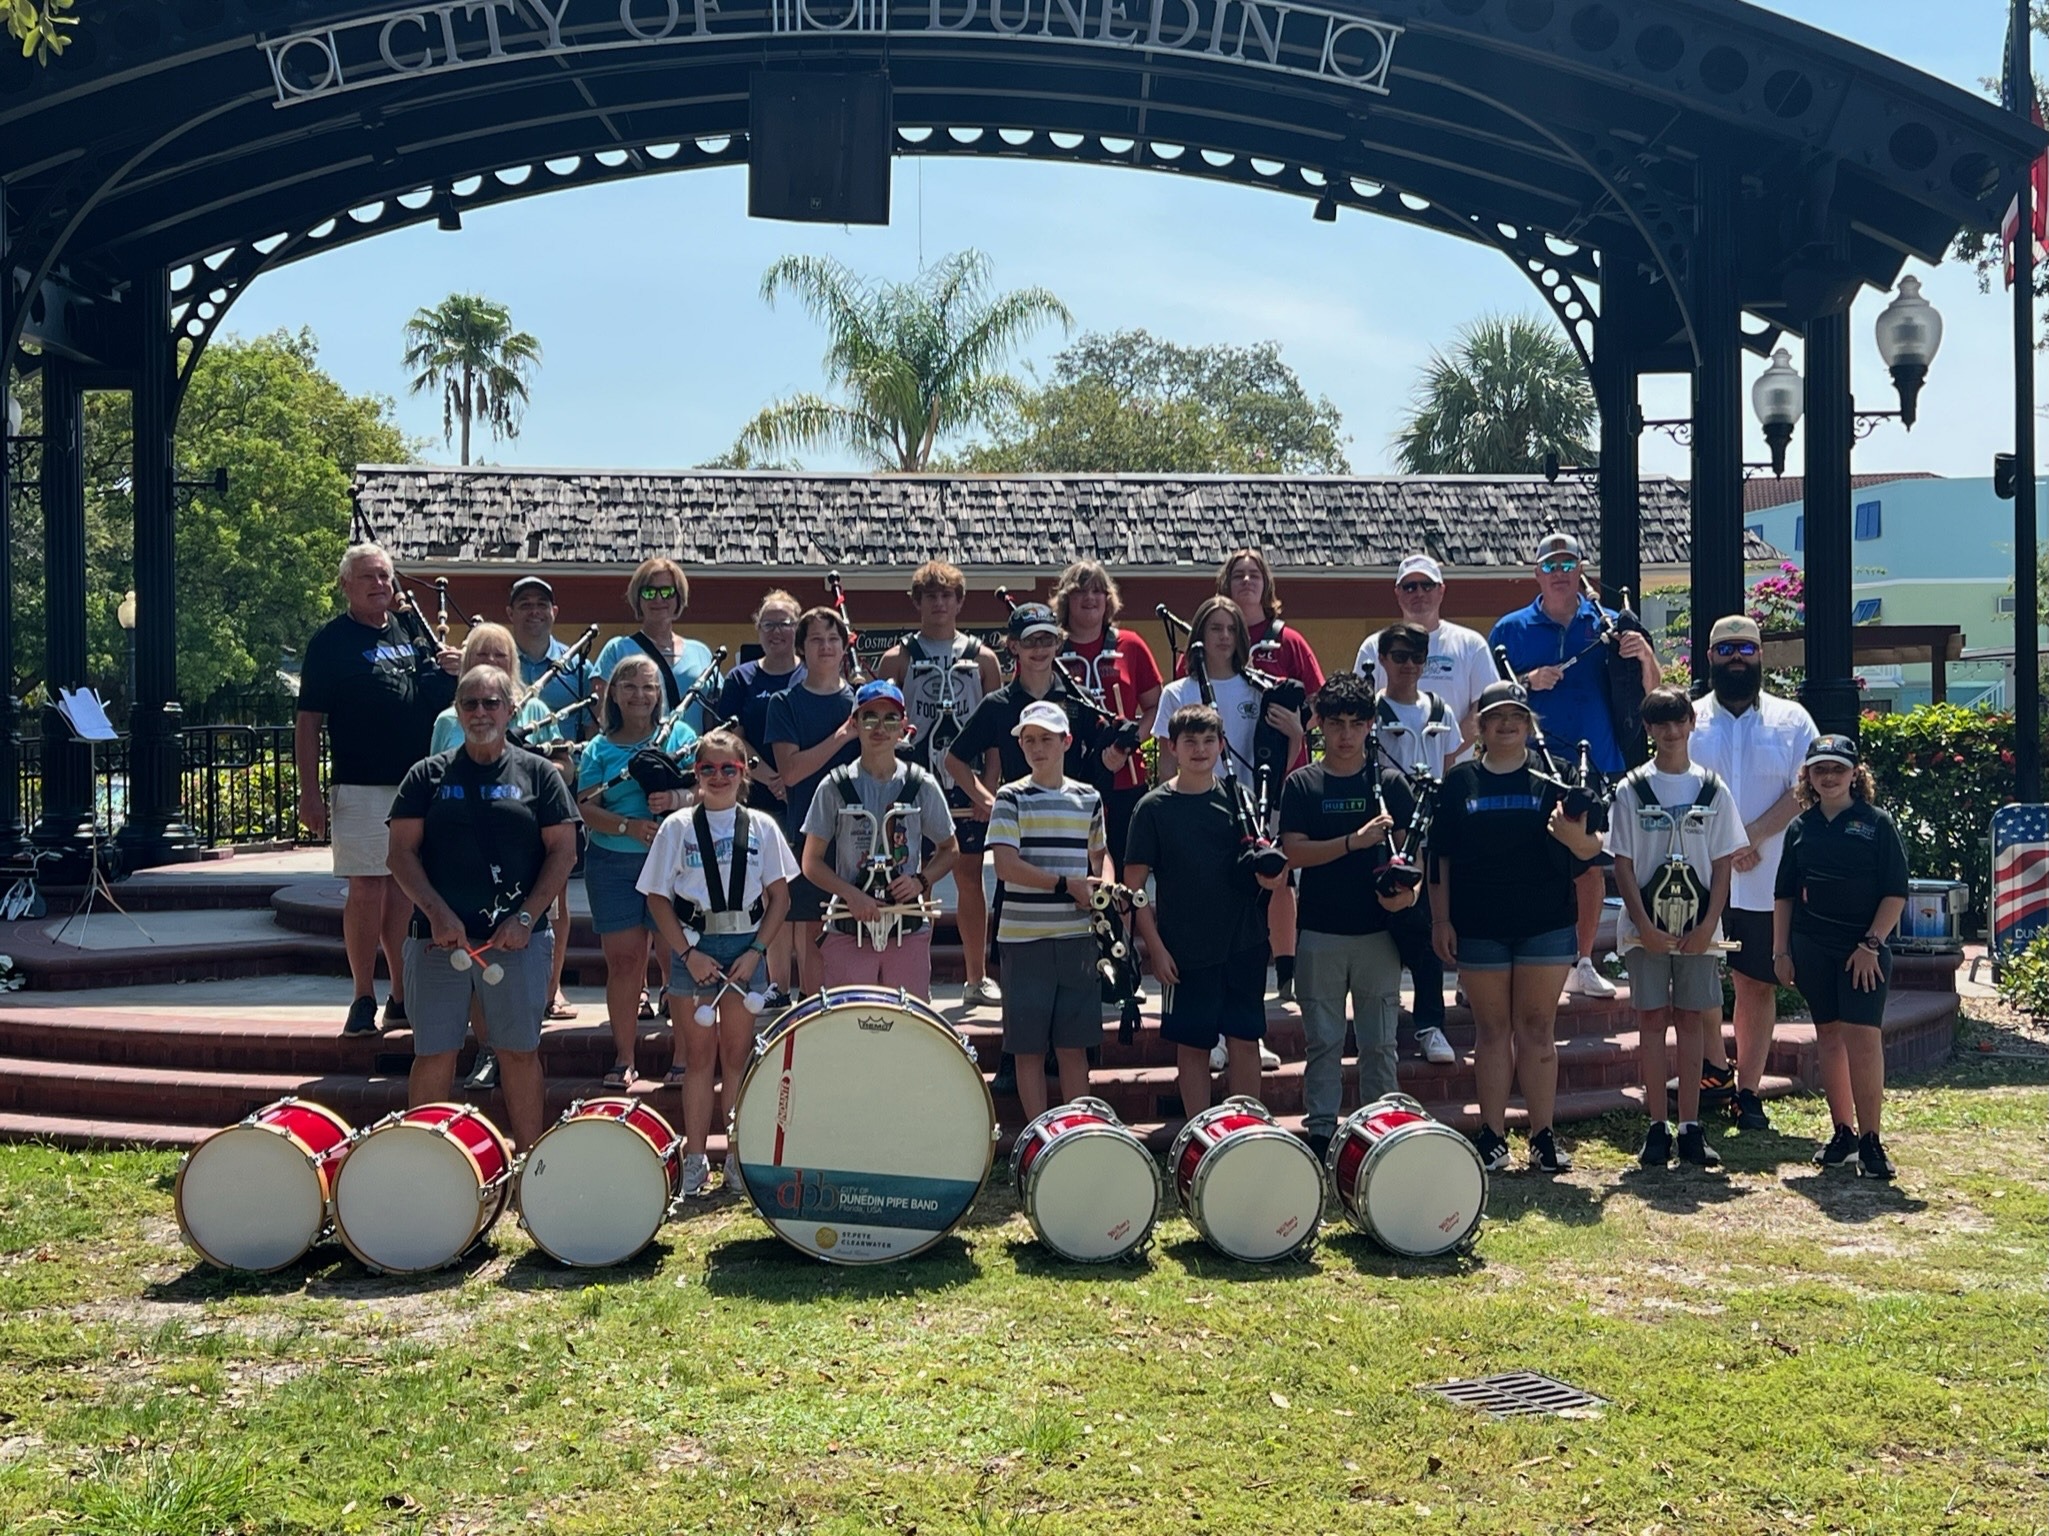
column 1560, row 946
column 609, row 880
column 724, row 948
column 1208, row 1004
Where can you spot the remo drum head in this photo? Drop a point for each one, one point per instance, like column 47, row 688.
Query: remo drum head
column 863, row 1127
column 598, row 1185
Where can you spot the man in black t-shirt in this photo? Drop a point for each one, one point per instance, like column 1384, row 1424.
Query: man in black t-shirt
column 1337, row 819
column 378, row 697
column 482, row 840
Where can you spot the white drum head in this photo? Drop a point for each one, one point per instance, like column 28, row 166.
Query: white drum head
column 1424, row 1190
column 592, row 1192
column 407, row 1199
column 1092, row 1195
column 248, row 1199
column 1260, row 1194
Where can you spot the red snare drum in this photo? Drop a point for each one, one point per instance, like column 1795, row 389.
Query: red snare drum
column 420, row 1188
column 1089, row 1187
column 600, row 1182
column 1252, row 1190
column 257, row 1195
column 1412, row 1184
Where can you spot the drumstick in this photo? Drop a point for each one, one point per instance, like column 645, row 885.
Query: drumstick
column 707, row 1012
column 463, row 959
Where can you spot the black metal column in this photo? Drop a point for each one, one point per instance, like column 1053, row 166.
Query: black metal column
column 154, row 832
column 1717, row 404
column 13, row 835
column 1830, row 689
column 66, row 825
column 1617, row 348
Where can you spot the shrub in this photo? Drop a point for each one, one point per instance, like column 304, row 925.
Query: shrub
column 1942, row 771
column 2024, row 980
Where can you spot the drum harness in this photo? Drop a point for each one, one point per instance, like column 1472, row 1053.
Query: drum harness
column 1674, row 897
column 878, row 868
column 724, row 915
column 946, row 722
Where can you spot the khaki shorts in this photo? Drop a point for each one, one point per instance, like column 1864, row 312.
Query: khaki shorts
column 356, row 826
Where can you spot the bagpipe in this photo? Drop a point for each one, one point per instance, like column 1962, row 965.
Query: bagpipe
column 1624, row 675
column 1110, row 909
column 1271, row 754
column 1403, row 870
column 527, row 735
column 1105, row 728
column 1257, row 851
column 850, row 664
column 657, row 771
column 1588, row 791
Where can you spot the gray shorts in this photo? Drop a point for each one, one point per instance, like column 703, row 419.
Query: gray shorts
column 438, row 996
column 1052, row 996
column 356, row 827
column 1692, row 982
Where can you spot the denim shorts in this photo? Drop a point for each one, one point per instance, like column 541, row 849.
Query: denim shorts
column 724, row 948
column 610, row 881
column 1560, row 946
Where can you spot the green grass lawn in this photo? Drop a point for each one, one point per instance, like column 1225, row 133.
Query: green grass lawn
column 1780, row 1350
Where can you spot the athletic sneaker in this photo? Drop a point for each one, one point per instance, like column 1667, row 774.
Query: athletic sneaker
column 1583, row 980
column 1750, row 1115
column 982, row 994
column 484, row 1075
column 1693, row 1147
column 1220, row 1057
column 395, row 1014
column 1657, row 1146
column 1435, row 1047
column 1005, row 1080
column 775, row 999
column 1840, row 1149
column 1285, row 992
column 736, row 1182
column 1714, row 1079
column 696, row 1174
column 1546, row 1156
column 1318, row 1143
column 362, row 1018
column 1493, row 1149
column 1872, row 1163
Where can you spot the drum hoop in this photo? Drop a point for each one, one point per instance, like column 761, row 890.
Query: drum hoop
column 467, row 1112
column 571, row 1116
column 320, row 1230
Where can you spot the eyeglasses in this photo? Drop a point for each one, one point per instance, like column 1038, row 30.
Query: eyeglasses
column 880, row 722
column 1415, row 588
column 1558, row 565
column 1039, row 640
column 657, row 594
column 1724, row 649
column 718, row 770
column 1405, row 659
column 468, row 706
column 770, row 623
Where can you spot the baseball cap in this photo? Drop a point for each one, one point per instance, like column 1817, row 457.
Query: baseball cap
column 1559, row 543
column 531, row 584
column 1046, row 715
column 880, row 688
column 1832, row 749
column 1032, row 619
column 1419, row 565
column 1736, row 626
column 1500, row 695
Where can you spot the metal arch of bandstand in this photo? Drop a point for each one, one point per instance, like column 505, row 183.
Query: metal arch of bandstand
column 1660, row 171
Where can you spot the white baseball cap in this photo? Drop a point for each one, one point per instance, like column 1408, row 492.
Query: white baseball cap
column 1045, row 715
column 1419, row 565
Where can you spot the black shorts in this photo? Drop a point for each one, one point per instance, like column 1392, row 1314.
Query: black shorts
column 1752, row 931
column 1213, row 1001
column 1831, row 996
column 807, row 901
column 973, row 834
column 1118, row 804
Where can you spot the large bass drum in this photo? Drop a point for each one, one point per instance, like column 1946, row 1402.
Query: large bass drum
column 863, row 1127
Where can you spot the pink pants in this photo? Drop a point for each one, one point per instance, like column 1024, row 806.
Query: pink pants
column 906, row 964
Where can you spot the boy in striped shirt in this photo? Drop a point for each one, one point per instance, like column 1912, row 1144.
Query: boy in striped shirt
column 1046, row 839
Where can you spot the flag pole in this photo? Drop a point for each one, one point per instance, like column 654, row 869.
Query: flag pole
column 2027, row 674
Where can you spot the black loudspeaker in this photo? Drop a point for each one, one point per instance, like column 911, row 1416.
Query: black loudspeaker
column 818, row 148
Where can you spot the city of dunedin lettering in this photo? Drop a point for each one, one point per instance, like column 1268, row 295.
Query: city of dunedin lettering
column 1303, row 40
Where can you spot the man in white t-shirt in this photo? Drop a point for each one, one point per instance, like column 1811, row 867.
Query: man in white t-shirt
column 1756, row 741
column 1460, row 664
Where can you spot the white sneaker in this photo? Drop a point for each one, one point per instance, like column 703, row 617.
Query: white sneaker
column 696, row 1174
column 1435, row 1047
column 982, row 994
column 1584, row 981
column 1268, row 1060
column 1219, row 1057
column 736, row 1182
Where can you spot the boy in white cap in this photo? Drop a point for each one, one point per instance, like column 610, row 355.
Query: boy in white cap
column 1047, row 840
column 1459, row 664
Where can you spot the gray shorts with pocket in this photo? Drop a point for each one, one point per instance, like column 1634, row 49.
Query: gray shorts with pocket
column 1692, row 982
column 438, row 996
column 1052, row 995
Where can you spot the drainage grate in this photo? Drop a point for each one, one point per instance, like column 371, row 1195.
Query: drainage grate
column 1515, row 1392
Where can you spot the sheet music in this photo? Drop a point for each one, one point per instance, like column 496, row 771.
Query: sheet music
column 86, row 715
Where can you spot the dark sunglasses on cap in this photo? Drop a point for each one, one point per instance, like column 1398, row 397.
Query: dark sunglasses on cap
column 1406, row 658
column 1558, row 565
column 1724, row 649
column 491, row 701
column 657, row 594
column 1413, row 588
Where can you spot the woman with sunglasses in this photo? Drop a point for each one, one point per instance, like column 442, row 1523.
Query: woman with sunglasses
column 717, row 882
column 623, row 819
column 1842, row 884
column 658, row 593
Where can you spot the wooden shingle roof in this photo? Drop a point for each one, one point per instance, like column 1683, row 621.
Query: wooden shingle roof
column 760, row 520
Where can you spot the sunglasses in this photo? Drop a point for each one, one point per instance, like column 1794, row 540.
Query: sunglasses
column 657, row 594
column 881, row 722
column 718, row 770
column 468, row 706
column 770, row 623
column 1413, row 588
column 1405, row 659
column 1558, row 565
column 1827, row 765
column 1724, row 649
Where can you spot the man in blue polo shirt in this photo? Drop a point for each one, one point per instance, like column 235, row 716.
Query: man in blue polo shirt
column 1554, row 647
column 530, row 612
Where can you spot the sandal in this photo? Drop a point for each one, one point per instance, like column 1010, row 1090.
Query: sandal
column 673, row 1078
column 622, row 1075
column 648, row 1010
column 561, row 1008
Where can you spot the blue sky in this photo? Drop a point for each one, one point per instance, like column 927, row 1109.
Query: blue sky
column 657, row 348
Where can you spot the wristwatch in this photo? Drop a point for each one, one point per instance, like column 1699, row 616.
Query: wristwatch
column 1873, row 942
column 526, row 918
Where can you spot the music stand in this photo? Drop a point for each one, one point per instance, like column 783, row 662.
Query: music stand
column 87, row 718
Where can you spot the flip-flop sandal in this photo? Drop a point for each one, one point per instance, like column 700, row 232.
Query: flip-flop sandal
column 621, row 1076
column 673, row 1078
column 647, row 1007
column 562, row 1010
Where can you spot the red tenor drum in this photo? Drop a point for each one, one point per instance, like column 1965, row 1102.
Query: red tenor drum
column 1088, row 1185
column 257, row 1195
column 1411, row 1183
column 1252, row 1190
column 420, row 1188
column 600, row 1182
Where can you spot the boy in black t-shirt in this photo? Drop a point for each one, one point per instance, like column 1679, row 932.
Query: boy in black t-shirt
column 1337, row 817
column 1205, row 931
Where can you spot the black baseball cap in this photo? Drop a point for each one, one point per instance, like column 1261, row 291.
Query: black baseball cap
column 531, row 583
column 1032, row 619
column 1833, row 749
column 1501, row 694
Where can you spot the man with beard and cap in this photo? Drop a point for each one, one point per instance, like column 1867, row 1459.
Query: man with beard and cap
column 1756, row 742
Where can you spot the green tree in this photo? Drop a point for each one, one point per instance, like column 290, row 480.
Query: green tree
column 912, row 361
column 465, row 347
column 38, row 26
column 1131, row 402
column 1510, row 391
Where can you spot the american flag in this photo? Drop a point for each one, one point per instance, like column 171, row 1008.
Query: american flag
column 2020, row 876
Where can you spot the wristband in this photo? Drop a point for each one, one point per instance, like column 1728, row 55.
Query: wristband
column 924, row 884
column 757, row 947
column 1782, row 955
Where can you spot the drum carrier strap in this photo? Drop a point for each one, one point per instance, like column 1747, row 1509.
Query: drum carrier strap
column 842, row 779
column 725, row 914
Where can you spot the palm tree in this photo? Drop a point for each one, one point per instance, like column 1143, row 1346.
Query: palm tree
column 1511, row 391
column 465, row 346
column 912, row 360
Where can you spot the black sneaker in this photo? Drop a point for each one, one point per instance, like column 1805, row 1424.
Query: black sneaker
column 1657, row 1146
column 1717, row 1080
column 484, row 1075
column 1546, row 1156
column 1872, row 1163
column 1693, row 1148
column 1318, row 1142
column 1750, row 1114
column 1840, row 1149
column 775, row 999
column 1005, row 1080
column 1493, row 1149
column 395, row 1014
column 362, row 1019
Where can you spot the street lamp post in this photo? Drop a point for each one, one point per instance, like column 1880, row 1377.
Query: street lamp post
column 1778, row 397
column 1909, row 335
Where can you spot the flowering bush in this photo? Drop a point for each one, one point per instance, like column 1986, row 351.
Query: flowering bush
column 11, row 980
column 1942, row 770
column 1779, row 601
column 2024, row 980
